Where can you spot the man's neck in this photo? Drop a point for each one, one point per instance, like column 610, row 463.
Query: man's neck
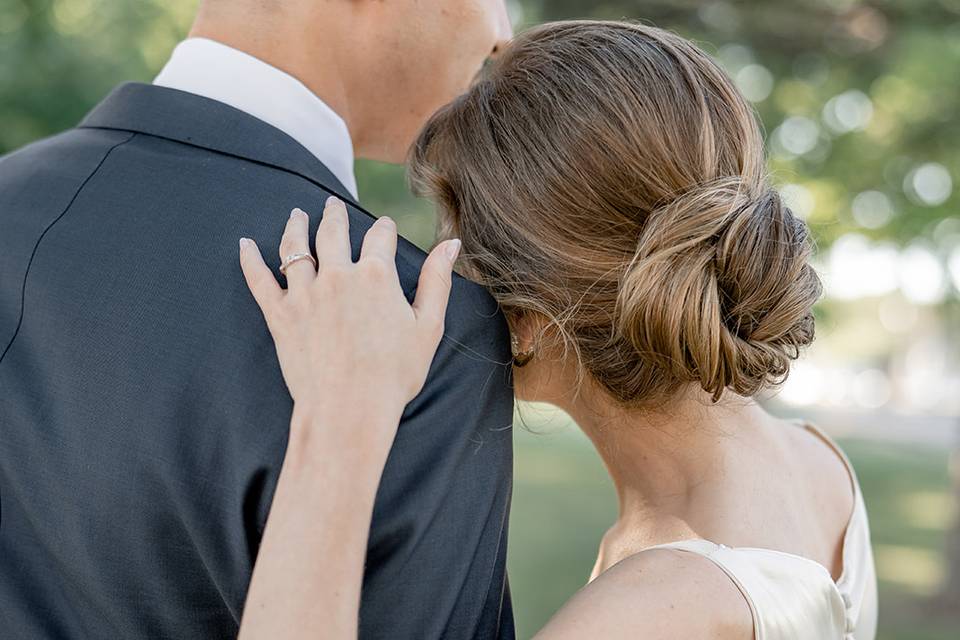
column 320, row 73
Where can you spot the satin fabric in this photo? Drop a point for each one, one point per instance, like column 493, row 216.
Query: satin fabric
column 795, row 598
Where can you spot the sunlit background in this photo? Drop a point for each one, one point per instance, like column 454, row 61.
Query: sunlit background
column 859, row 100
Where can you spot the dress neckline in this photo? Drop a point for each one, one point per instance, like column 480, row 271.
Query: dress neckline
column 847, row 534
column 842, row 590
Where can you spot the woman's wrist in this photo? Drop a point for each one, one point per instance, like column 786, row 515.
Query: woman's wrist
column 360, row 431
column 320, row 519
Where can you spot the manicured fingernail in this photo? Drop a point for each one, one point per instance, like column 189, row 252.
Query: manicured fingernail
column 387, row 220
column 332, row 200
column 453, row 250
column 245, row 243
column 296, row 211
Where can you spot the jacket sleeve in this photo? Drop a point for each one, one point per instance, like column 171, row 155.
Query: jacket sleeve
column 437, row 554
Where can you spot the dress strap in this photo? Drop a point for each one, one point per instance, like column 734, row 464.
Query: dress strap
column 827, row 440
column 710, row 550
column 790, row 597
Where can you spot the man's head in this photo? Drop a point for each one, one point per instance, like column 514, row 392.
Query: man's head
column 383, row 65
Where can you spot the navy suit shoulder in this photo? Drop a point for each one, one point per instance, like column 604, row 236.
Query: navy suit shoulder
column 28, row 171
column 143, row 416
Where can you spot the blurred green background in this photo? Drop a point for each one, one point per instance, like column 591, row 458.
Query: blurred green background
column 859, row 100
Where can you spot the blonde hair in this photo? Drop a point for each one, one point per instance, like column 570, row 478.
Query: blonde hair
column 610, row 178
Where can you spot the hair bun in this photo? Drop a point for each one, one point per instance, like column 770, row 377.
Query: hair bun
column 719, row 291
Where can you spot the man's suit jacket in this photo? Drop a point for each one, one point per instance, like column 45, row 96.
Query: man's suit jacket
column 143, row 415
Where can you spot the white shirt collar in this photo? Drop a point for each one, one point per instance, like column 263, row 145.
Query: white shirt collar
column 214, row 70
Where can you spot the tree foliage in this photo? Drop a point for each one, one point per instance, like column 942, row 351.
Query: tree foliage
column 894, row 64
column 895, row 67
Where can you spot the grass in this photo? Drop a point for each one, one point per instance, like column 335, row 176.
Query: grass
column 563, row 502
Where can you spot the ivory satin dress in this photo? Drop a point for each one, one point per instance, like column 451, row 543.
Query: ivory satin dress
column 795, row 598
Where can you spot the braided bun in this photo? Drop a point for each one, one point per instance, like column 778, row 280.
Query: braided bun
column 720, row 290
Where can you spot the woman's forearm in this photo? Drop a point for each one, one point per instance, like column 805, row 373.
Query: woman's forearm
column 307, row 580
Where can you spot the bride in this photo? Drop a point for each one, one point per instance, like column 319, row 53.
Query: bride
column 607, row 183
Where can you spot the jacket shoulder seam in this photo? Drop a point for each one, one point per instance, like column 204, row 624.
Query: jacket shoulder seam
column 33, row 253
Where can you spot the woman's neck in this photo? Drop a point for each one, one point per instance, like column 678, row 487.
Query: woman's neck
column 662, row 461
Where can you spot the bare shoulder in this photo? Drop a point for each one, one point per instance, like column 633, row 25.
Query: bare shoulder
column 656, row 594
column 827, row 477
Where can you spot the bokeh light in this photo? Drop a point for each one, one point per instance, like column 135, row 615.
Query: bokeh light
column 929, row 184
column 850, row 111
column 872, row 209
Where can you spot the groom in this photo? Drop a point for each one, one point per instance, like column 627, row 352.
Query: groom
column 143, row 416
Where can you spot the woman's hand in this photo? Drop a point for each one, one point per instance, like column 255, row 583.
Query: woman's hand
column 353, row 353
column 345, row 334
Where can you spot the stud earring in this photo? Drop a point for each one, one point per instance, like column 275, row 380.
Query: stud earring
column 523, row 358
